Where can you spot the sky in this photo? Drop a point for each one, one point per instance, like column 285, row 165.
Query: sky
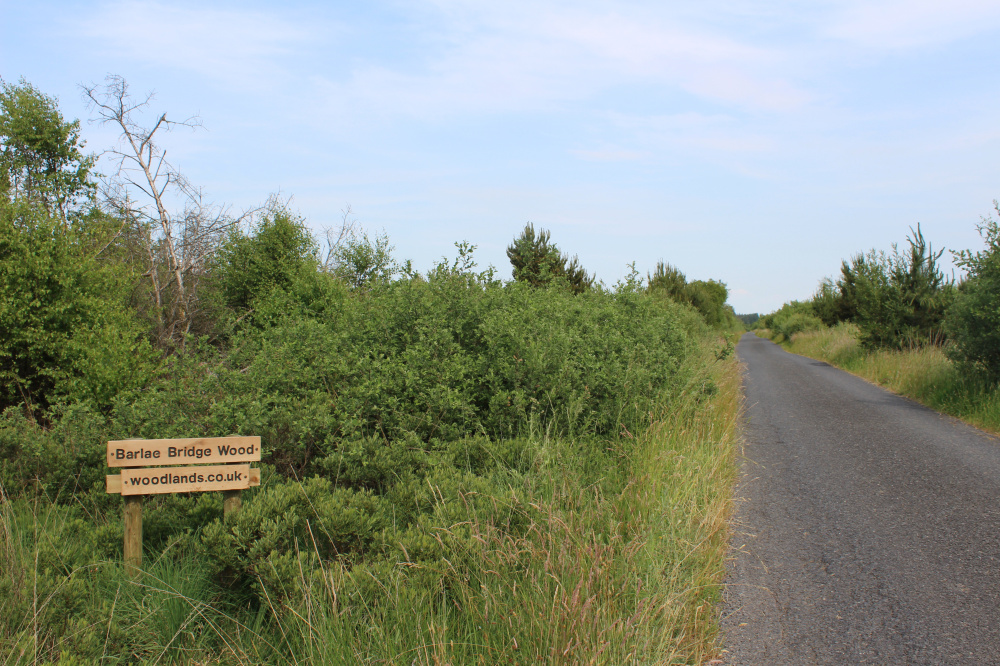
column 756, row 142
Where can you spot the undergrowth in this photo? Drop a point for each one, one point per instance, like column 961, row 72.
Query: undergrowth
column 511, row 476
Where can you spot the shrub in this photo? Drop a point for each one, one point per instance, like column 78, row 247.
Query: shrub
column 901, row 298
column 796, row 323
column 65, row 329
column 973, row 320
column 272, row 256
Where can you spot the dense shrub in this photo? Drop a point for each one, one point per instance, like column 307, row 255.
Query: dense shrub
column 898, row 299
column 66, row 331
column 423, row 435
column 708, row 297
column 973, row 321
column 793, row 317
column 276, row 252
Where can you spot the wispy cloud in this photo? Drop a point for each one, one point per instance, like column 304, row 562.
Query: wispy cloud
column 241, row 47
column 608, row 155
column 900, row 24
column 541, row 56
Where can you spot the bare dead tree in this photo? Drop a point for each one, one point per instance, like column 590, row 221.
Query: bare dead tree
column 177, row 246
column 335, row 237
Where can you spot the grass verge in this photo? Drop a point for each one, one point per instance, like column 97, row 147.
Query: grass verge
column 924, row 374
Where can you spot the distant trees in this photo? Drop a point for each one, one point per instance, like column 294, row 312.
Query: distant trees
column 538, row 261
column 791, row 318
column 707, row 296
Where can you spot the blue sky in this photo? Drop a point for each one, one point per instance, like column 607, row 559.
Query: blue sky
column 756, row 142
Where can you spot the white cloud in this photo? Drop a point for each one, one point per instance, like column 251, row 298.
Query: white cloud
column 608, row 155
column 898, row 24
column 238, row 46
column 538, row 56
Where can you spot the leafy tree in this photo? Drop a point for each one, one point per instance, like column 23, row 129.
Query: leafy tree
column 709, row 298
column 41, row 154
column 973, row 320
column 278, row 249
column 362, row 261
column 538, row 261
column 65, row 328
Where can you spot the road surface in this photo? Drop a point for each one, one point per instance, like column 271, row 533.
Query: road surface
column 867, row 527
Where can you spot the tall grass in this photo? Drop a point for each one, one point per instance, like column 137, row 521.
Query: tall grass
column 924, row 374
column 628, row 577
column 603, row 573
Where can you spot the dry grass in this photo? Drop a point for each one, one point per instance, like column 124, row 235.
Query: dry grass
column 924, row 374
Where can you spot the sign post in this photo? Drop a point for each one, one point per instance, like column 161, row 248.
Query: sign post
column 211, row 466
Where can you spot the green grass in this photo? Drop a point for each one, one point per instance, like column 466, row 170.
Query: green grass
column 605, row 571
column 924, row 374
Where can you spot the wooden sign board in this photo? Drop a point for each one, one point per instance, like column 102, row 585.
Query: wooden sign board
column 161, row 480
column 145, row 452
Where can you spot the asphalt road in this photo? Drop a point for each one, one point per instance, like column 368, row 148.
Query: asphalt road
column 867, row 527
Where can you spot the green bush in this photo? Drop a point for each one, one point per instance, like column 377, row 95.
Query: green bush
column 66, row 331
column 793, row 317
column 900, row 298
column 796, row 323
column 973, row 320
column 277, row 252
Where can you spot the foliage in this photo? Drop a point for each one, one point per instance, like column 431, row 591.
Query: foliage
column 65, row 328
column 362, row 261
column 538, row 261
column 708, row 297
column 41, row 158
column 793, row 317
column 901, row 297
column 898, row 299
column 276, row 251
column 973, row 321
column 457, row 469
column 669, row 280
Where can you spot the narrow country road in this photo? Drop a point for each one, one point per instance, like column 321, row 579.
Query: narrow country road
column 867, row 527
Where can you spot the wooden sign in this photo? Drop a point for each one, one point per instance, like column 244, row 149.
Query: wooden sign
column 130, row 482
column 145, row 452
column 142, row 475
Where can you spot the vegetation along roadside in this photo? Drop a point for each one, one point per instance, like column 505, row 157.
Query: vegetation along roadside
column 457, row 470
column 895, row 319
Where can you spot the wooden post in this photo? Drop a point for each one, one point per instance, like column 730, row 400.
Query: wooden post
column 133, row 532
column 231, row 502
